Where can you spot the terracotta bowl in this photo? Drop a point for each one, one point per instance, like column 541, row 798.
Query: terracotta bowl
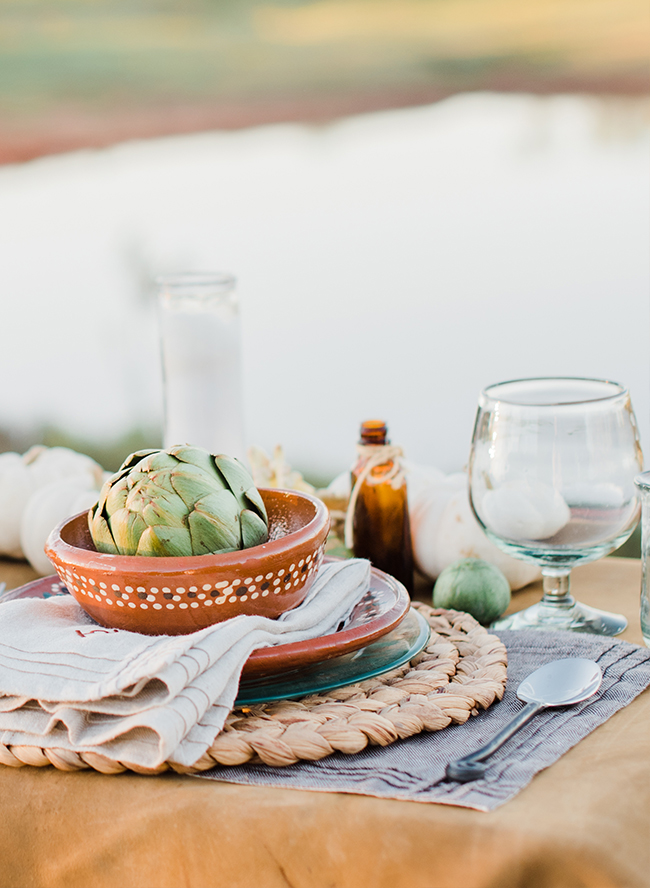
column 175, row 596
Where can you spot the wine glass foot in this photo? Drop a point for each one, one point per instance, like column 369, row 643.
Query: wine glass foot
column 574, row 616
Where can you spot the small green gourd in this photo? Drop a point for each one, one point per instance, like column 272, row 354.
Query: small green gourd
column 474, row 586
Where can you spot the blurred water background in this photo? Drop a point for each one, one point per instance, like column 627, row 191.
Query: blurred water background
column 418, row 199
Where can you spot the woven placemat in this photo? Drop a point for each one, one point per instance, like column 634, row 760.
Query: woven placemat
column 461, row 670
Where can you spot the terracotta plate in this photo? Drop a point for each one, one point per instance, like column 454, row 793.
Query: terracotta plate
column 381, row 610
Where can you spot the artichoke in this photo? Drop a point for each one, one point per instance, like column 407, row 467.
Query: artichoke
column 181, row 501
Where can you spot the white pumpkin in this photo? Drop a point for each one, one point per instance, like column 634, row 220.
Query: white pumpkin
column 52, row 463
column 524, row 510
column 444, row 530
column 16, row 487
column 49, row 506
column 22, row 476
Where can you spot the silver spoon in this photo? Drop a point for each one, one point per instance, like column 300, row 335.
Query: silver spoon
column 560, row 683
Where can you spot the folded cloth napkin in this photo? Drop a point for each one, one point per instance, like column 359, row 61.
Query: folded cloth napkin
column 67, row 683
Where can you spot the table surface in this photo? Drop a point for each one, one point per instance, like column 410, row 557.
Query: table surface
column 582, row 823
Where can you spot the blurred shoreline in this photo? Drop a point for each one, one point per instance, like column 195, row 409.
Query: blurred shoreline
column 65, row 127
column 95, row 73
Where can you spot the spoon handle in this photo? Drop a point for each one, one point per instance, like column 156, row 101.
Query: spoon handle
column 469, row 767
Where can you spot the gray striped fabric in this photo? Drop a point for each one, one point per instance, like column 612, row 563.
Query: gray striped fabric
column 414, row 769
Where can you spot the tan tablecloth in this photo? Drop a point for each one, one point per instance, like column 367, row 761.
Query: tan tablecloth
column 583, row 823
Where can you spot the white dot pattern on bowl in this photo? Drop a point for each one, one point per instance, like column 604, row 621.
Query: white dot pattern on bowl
column 169, row 598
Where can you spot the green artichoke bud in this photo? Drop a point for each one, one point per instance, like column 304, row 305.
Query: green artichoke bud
column 181, row 501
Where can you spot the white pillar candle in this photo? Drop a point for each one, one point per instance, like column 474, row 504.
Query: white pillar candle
column 201, row 355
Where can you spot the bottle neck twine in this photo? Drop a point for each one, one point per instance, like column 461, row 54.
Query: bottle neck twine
column 379, row 454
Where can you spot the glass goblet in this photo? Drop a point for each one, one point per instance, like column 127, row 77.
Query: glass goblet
column 552, row 471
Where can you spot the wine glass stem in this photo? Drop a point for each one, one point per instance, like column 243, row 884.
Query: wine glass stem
column 556, row 589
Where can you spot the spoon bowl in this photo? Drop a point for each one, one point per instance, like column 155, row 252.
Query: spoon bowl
column 561, row 683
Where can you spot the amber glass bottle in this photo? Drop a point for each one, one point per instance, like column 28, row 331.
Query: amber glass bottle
column 380, row 521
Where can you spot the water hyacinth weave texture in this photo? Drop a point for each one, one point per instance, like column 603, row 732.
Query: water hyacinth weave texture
column 181, row 501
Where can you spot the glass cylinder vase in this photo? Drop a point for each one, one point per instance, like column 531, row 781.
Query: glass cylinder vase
column 200, row 338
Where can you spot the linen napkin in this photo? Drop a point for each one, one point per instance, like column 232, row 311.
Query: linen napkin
column 67, row 683
column 414, row 769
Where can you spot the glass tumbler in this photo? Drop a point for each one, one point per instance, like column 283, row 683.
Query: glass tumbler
column 643, row 484
column 200, row 339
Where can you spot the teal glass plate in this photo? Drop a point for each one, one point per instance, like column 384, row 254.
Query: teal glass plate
column 392, row 650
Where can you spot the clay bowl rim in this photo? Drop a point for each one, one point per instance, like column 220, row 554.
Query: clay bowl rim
column 144, row 564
